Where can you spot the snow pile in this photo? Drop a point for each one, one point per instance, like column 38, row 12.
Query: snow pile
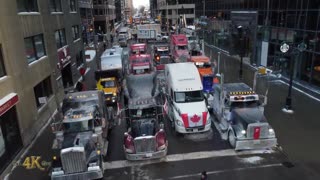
column 252, row 160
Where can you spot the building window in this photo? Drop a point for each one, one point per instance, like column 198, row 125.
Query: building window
column 35, row 48
column 2, row 68
column 73, row 7
column 42, row 90
column 75, row 32
column 60, row 36
column 27, row 6
column 79, row 58
column 55, row 6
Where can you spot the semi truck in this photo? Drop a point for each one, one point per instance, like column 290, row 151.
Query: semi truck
column 185, row 104
column 145, row 137
column 147, row 32
column 240, row 117
column 179, row 48
column 80, row 137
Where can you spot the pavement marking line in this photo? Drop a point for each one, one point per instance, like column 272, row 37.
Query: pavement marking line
column 224, row 171
column 183, row 157
column 297, row 89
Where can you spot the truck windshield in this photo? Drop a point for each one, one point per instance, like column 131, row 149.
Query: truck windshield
column 78, row 126
column 182, row 47
column 249, row 104
column 143, row 128
column 141, row 60
column 163, row 53
column 190, row 96
column 78, row 104
column 192, row 38
column 143, row 113
column 108, row 84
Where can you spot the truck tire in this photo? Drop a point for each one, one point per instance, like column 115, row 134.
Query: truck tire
column 231, row 139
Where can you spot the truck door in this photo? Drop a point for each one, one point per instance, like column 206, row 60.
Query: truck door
column 170, row 105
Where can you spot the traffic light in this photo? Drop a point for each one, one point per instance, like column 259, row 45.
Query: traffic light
column 157, row 57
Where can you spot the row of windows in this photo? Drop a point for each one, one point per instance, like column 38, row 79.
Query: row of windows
column 35, row 47
column 55, row 5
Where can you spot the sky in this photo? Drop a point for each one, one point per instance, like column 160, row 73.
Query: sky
column 137, row 3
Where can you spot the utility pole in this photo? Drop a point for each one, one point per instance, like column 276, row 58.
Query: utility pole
column 204, row 7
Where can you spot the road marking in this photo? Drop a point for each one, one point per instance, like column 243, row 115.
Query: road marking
column 224, row 171
column 183, row 157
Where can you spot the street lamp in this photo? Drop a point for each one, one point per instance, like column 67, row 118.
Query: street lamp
column 284, row 48
column 240, row 36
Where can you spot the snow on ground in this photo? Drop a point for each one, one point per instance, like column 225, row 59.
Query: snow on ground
column 91, row 53
column 252, row 160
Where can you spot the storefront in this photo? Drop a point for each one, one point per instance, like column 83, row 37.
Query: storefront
column 64, row 64
column 10, row 138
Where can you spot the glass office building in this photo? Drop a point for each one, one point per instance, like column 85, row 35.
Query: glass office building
column 265, row 25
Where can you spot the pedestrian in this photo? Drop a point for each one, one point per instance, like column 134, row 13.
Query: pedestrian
column 204, row 175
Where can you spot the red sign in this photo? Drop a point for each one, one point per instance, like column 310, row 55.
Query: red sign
column 8, row 104
column 63, row 57
column 256, row 133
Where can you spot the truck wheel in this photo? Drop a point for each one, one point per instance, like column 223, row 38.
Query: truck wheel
column 231, row 139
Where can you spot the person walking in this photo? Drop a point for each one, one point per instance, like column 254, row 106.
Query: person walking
column 204, row 176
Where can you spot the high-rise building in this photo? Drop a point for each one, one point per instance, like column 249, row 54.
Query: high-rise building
column 104, row 16
column 266, row 24
column 41, row 52
column 172, row 10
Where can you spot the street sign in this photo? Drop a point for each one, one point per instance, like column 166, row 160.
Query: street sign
column 284, row 47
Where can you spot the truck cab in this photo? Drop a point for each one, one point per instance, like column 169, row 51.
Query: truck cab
column 179, row 48
column 109, row 84
column 185, row 103
column 140, row 64
column 145, row 138
column 240, row 117
column 161, row 55
column 138, row 49
column 80, row 138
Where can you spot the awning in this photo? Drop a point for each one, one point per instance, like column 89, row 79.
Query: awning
column 8, row 102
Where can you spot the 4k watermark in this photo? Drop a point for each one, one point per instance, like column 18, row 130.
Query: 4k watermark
column 34, row 162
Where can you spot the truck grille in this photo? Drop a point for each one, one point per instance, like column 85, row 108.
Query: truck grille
column 263, row 128
column 143, row 145
column 73, row 160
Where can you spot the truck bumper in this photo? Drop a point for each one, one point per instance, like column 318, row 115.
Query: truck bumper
column 256, row 144
column 184, row 130
column 92, row 174
column 145, row 156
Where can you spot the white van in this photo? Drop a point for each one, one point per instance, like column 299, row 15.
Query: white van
column 125, row 31
column 185, row 104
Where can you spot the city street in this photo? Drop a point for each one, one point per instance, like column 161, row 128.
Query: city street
column 188, row 156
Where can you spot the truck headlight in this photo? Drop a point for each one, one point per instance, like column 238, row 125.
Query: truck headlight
column 271, row 131
column 243, row 132
column 179, row 123
column 114, row 94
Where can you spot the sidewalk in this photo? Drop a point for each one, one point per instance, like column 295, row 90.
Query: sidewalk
column 297, row 133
